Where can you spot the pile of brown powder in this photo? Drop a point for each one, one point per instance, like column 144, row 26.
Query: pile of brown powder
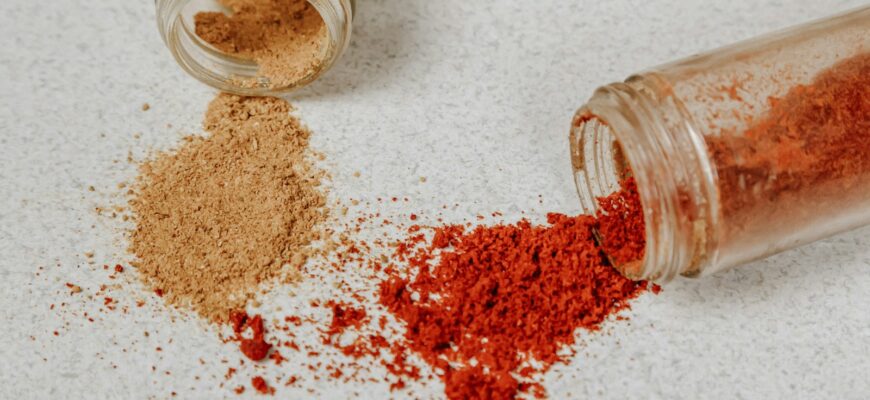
column 230, row 211
column 285, row 37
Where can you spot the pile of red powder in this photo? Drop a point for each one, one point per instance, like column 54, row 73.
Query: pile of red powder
column 480, row 305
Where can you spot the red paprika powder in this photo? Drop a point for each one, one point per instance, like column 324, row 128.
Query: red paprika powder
column 621, row 225
column 479, row 305
column 261, row 386
column 256, row 348
column 806, row 161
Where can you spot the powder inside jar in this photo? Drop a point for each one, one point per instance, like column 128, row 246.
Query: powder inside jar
column 286, row 38
column 226, row 213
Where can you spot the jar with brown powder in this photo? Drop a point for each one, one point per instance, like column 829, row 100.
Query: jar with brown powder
column 256, row 47
column 737, row 154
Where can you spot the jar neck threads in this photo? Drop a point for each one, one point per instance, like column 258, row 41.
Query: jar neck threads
column 639, row 128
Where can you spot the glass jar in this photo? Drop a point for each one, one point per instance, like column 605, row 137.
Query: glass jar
column 175, row 19
column 738, row 153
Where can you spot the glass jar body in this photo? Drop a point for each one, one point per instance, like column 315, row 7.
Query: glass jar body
column 739, row 153
column 175, row 19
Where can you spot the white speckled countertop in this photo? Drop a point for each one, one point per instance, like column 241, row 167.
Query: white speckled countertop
column 476, row 97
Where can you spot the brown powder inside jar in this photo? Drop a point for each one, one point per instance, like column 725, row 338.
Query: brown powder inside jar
column 285, row 37
column 228, row 212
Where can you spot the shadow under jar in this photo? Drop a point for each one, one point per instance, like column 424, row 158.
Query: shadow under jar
column 739, row 153
column 175, row 19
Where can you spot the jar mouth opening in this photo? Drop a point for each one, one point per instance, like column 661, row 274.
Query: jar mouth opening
column 600, row 167
column 240, row 75
column 628, row 127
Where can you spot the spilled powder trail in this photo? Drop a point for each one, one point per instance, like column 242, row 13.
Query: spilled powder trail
column 228, row 212
column 285, row 37
column 486, row 309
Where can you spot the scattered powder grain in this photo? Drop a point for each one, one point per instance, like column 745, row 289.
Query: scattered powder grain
column 261, row 386
column 254, row 347
column 228, row 212
column 285, row 37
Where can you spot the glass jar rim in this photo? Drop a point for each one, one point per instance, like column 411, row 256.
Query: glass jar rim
column 239, row 76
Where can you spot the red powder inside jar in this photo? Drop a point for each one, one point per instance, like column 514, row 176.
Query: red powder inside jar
column 806, row 159
column 621, row 228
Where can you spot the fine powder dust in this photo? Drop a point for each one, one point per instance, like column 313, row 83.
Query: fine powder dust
column 285, row 37
column 228, row 212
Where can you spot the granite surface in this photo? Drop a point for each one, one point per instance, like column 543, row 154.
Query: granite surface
column 475, row 96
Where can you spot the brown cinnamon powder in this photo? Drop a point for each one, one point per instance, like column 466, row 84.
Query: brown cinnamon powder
column 225, row 213
column 285, row 37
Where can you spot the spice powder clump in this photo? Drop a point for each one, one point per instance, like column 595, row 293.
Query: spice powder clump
column 227, row 212
column 285, row 37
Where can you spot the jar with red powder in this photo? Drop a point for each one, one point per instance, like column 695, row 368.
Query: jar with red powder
column 739, row 153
